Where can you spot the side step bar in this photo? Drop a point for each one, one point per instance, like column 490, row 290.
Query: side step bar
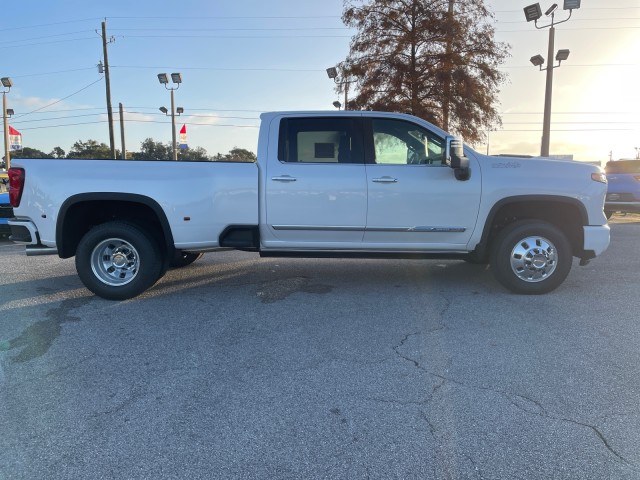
column 35, row 250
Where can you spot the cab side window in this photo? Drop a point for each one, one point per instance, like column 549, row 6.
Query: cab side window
column 399, row 142
column 319, row 140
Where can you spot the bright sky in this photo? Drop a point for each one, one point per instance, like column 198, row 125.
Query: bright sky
column 242, row 57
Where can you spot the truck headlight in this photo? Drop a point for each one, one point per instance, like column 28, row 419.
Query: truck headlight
column 599, row 177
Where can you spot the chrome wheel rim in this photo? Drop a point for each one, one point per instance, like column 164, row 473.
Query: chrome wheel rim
column 534, row 259
column 115, row 262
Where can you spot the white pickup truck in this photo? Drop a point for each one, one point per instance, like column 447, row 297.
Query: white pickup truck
column 326, row 184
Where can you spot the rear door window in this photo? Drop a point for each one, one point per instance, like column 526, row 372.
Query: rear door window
column 320, row 140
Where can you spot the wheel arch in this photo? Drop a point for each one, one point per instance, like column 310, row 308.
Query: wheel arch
column 79, row 213
column 566, row 213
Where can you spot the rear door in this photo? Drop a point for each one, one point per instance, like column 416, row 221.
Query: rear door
column 316, row 189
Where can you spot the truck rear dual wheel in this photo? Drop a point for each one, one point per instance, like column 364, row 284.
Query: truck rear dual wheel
column 118, row 260
column 531, row 257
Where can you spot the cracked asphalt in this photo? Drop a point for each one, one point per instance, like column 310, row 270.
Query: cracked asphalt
column 241, row 367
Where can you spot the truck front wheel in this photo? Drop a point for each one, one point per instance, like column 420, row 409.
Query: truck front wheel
column 118, row 260
column 531, row 257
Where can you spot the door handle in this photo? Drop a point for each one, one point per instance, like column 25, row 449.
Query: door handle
column 385, row 180
column 283, row 178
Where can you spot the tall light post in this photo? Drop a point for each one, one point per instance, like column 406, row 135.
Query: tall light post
column 534, row 13
column 332, row 73
column 176, row 79
column 6, row 84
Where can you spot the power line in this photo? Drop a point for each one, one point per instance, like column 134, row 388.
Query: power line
column 58, row 101
column 48, row 24
column 569, row 113
column 46, row 43
column 257, row 69
column 581, row 65
column 45, row 36
column 570, row 130
column 139, row 121
column 52, row 73
column 239, row 17
column 57, row 118
column 224, row 29
column 238, row 36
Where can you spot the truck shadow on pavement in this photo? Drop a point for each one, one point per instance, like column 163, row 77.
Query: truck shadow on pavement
column 276, row 280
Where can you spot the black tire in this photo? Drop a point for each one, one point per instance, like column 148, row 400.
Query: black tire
column 531, row 257
column 118, row 260
column 182, row 259
column 609, row 213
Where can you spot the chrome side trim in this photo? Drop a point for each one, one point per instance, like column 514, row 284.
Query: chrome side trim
column 315, row 228
column 420, row 229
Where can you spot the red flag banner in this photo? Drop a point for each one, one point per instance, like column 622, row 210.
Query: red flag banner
column 15, row 139
column 183, row 137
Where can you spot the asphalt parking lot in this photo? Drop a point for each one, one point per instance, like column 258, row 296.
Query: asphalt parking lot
column 241, row 367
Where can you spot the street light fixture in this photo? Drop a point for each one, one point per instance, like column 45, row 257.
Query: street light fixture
column 176, row 78
column 537, row 61
column 7, row 84
column 534, row 13
column 332, row 73
column 562, row 55
column 337, row 104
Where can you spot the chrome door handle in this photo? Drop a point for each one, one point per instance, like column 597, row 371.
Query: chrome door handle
column 283, row 178
column 385, row 180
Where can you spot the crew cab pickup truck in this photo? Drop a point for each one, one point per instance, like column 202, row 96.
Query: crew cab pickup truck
column 325, row 184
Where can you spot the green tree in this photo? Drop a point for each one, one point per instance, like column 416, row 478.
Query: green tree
column 152, row 150
column 436, row 59
column 90, row 149
column 193, row 154
column 27, row 152
column 57, row 152
column 236, row 155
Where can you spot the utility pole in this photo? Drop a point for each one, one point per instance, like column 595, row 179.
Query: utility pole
column 124, row 150
column 108, row 87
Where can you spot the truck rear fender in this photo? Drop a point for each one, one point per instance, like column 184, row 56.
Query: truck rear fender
column 79, row 213
column 566, row 213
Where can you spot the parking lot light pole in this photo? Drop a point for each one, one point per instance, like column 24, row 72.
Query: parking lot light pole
column 7, row 84
column 176, row 78
column 332, row 73
column 534, row 13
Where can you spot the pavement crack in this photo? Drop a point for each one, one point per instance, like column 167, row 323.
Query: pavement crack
column 602, row 438
column 409, row 359
column 522, row 402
